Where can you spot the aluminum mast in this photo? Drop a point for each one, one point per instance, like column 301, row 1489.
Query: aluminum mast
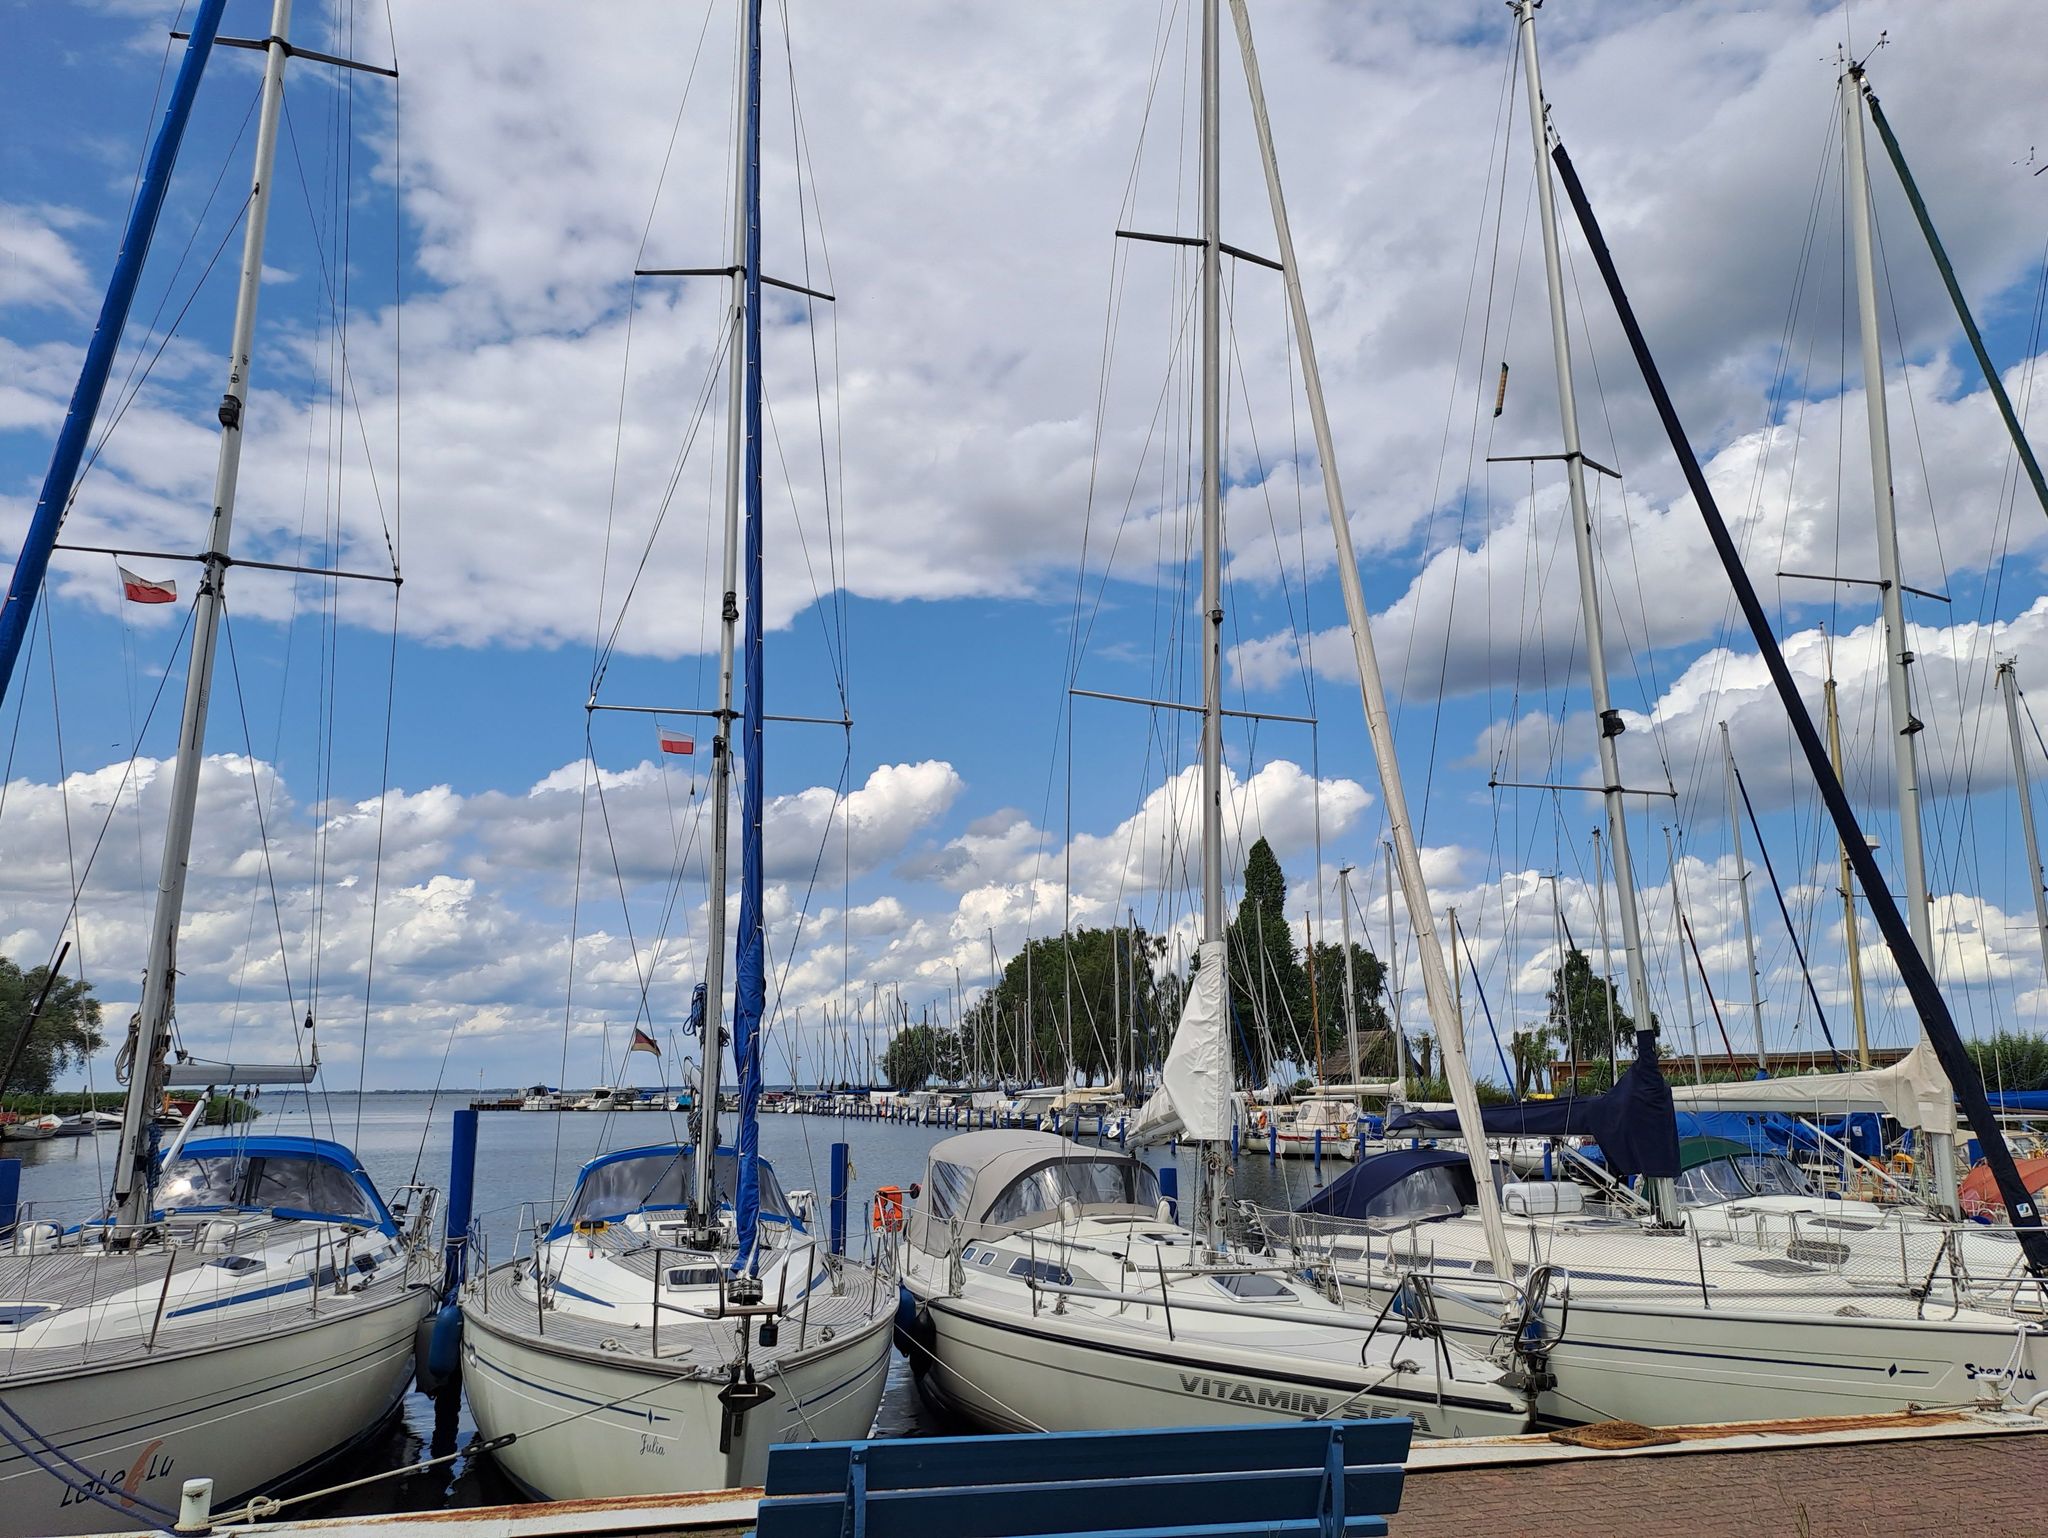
column 131, row 1193
column 1898, row 652
column 1436, row 981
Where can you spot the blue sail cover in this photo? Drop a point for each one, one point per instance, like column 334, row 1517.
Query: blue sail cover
column 1634, row 1122
column 750, row 979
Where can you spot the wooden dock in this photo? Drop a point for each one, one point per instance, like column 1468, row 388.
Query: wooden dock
column 1974, row 1471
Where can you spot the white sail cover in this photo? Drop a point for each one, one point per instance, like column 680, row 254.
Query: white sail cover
column 1913, row 1091
column 1195, row 1095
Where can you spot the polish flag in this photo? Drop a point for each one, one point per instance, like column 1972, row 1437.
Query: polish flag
column 673, row 741
column 141, row 590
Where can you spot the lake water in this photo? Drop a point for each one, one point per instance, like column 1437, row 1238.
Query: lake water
column 533, row 1158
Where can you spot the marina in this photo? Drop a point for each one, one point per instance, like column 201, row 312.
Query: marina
column 515, row 1032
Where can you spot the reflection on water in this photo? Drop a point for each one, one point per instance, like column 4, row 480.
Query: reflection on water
column 525, row 1162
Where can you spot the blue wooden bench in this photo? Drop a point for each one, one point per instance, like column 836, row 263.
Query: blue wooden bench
column 1316, row 1479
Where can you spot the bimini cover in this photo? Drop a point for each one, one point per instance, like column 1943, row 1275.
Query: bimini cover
column 1633, row 1122
column 1913, row 1091
column 1194, row 1098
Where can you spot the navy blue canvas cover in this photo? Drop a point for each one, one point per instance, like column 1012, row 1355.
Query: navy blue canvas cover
column 1634, row 1122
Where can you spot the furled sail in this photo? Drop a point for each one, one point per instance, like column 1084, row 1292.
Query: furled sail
column 1194, row 1098
column 1913, row 1091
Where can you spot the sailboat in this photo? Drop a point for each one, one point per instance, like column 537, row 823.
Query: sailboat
column 681, row 1314
column 245, row 1309
column 1048, row 1285
column 1730, row 1291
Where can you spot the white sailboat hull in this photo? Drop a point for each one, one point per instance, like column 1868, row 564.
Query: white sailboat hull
column 1676, row 1366
column 250, row 1415
column 591, row 1423
column 1055, row 1373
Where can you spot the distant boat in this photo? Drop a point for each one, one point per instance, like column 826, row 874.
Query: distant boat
column 25, row 1129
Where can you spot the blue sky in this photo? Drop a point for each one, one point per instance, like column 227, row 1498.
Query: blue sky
column 961, row 184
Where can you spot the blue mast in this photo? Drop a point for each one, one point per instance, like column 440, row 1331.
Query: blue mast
column 750, row 982
column 34, row 560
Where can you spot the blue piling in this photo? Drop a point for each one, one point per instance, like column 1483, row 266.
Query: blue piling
column 1548, row 1172
column 461, row 1200
column 842, row 1175
column 437, row 1342
column 1319, row 1153
column 1233, row 1142
column 1169, row 1187
column 1272, row 1144
column 10, row 1193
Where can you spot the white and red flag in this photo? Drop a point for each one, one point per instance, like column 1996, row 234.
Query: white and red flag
column 141, row 590
column 642, row 1042
column 673, row 741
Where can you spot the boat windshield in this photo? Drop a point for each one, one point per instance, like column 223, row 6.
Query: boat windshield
column 1731, row 1179
column 1088, row 1182
column 1434, row 1191
column 288, row 1183
column 660, row 1178
column 1774, row 1175
column 1717, row 1180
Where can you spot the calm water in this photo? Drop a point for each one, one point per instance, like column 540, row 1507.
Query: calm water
column 533, row 1158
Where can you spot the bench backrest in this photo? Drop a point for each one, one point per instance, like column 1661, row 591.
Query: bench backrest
column 1331, row 1478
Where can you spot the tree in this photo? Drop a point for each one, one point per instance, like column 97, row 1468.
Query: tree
column 1534, row 1048
column 1581, row 1006
column 1375, row 1039
column 920, row 1053
column 1019, row 1028
column 67, row 1032
column 1268, row 984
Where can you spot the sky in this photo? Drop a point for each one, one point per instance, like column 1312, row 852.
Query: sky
column 980, row 494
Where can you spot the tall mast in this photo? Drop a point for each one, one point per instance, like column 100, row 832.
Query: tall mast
column 1212, row 541
column 1212, row 488
column 1436, row 982
column 1898, row 654
column 1350, row 975
column 1756, row 1003
column 1850, row 939
column 131, row 1192
column 704, row 1200
column 1609, row 719
column 750, row 960
column 2009, row 686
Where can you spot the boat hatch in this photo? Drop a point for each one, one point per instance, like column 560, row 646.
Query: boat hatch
column 1042, row 1271
column 237, row 1264
column 693, row 1276
column 1253, row 1286
column 15, row 1316
column 1770, row 1265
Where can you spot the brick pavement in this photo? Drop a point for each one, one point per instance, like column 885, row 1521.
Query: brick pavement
column 1972, row 1487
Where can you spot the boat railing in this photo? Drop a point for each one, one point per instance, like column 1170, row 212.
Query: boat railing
column 1761, row 1255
